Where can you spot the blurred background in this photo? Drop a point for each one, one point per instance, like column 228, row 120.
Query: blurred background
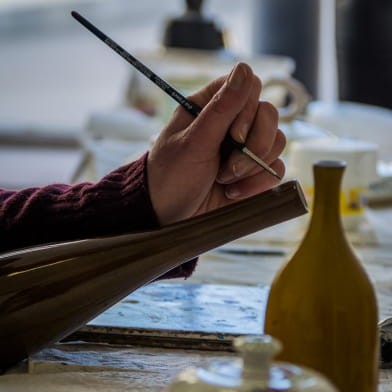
column 68, row 103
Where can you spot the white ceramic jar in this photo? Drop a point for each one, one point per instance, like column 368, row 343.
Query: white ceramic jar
column 254, row 372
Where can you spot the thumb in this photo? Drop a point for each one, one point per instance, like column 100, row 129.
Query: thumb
column 221, row 107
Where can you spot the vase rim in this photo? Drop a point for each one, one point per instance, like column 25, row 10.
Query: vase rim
column 333, row 164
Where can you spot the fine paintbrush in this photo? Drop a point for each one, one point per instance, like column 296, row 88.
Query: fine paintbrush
column 176, row 95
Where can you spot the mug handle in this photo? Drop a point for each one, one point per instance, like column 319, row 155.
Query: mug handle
column 299, row 97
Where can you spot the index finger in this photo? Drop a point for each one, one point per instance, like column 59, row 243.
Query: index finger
column 223, row 107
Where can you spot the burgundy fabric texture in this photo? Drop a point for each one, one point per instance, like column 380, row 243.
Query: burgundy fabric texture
column 119, row 203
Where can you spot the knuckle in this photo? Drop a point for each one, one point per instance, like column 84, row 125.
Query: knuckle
column 257, row 84
column 264, row 150
column 218, row 103
column 269, row 109
column 280, row 138
column 280, row 167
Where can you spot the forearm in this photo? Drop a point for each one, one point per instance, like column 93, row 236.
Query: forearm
column 116, row 204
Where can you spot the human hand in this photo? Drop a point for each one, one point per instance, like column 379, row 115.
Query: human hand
column 186, row 175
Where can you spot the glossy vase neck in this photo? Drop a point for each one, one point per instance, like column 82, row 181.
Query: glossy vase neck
column 326, row 202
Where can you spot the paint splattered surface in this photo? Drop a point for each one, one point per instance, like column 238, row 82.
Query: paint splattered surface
column 177, row 315
column 194, row 307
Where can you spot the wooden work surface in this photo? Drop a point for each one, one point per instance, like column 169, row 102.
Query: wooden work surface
column 85, row 367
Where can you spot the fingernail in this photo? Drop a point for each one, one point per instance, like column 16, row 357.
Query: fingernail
column 242, row 166
column 238, row 169
column 232, row 192
column 237, row 77
column 224, row 177
column 243, row 133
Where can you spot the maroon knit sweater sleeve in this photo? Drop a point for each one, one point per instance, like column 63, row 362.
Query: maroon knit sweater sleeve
column 117, row 204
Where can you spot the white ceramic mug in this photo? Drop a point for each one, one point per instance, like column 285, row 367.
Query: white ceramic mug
column 361, row 159
column 188, row 70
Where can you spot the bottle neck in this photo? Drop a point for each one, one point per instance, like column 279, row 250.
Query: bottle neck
column 326, row 202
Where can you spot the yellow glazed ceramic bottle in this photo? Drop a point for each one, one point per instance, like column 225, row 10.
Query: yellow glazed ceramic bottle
column 322, row 305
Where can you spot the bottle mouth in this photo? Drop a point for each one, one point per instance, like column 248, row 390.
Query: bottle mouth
column 330, row 164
